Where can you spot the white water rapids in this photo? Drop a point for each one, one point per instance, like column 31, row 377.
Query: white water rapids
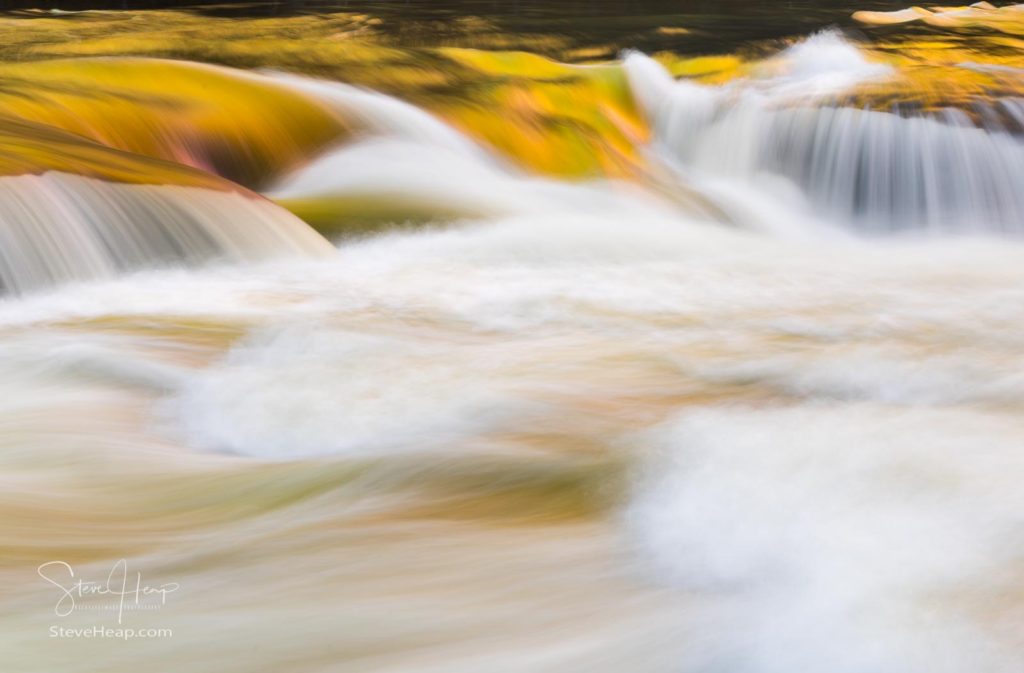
column 583, row 430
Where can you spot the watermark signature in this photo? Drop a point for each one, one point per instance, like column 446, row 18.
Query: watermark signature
column 109, row 632
column 125, row 590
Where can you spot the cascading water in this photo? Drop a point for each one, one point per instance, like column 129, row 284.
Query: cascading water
column 57, row 228
column 670, row 423
column 72, row 209
column 875, row 171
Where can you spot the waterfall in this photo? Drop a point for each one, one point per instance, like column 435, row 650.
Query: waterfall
column 871, row 170
column 75, row 210
column 59, row 227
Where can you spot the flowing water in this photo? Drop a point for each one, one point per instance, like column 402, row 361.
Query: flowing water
column 752, row 405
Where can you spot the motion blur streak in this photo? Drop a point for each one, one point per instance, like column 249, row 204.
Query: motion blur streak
column 708, row 414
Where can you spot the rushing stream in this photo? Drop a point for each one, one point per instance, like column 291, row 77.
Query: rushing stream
column 752, row 404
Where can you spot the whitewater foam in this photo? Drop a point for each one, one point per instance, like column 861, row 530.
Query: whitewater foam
column 844, row 538
column 810, row 450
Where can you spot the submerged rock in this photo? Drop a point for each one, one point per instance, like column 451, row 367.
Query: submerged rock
column 229, row 122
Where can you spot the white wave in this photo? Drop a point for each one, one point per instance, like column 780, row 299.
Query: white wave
column 843, row 538
column 395, row 169
column 348, row 394
column 823, row 64
column 815, row 68
column 380, row 114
